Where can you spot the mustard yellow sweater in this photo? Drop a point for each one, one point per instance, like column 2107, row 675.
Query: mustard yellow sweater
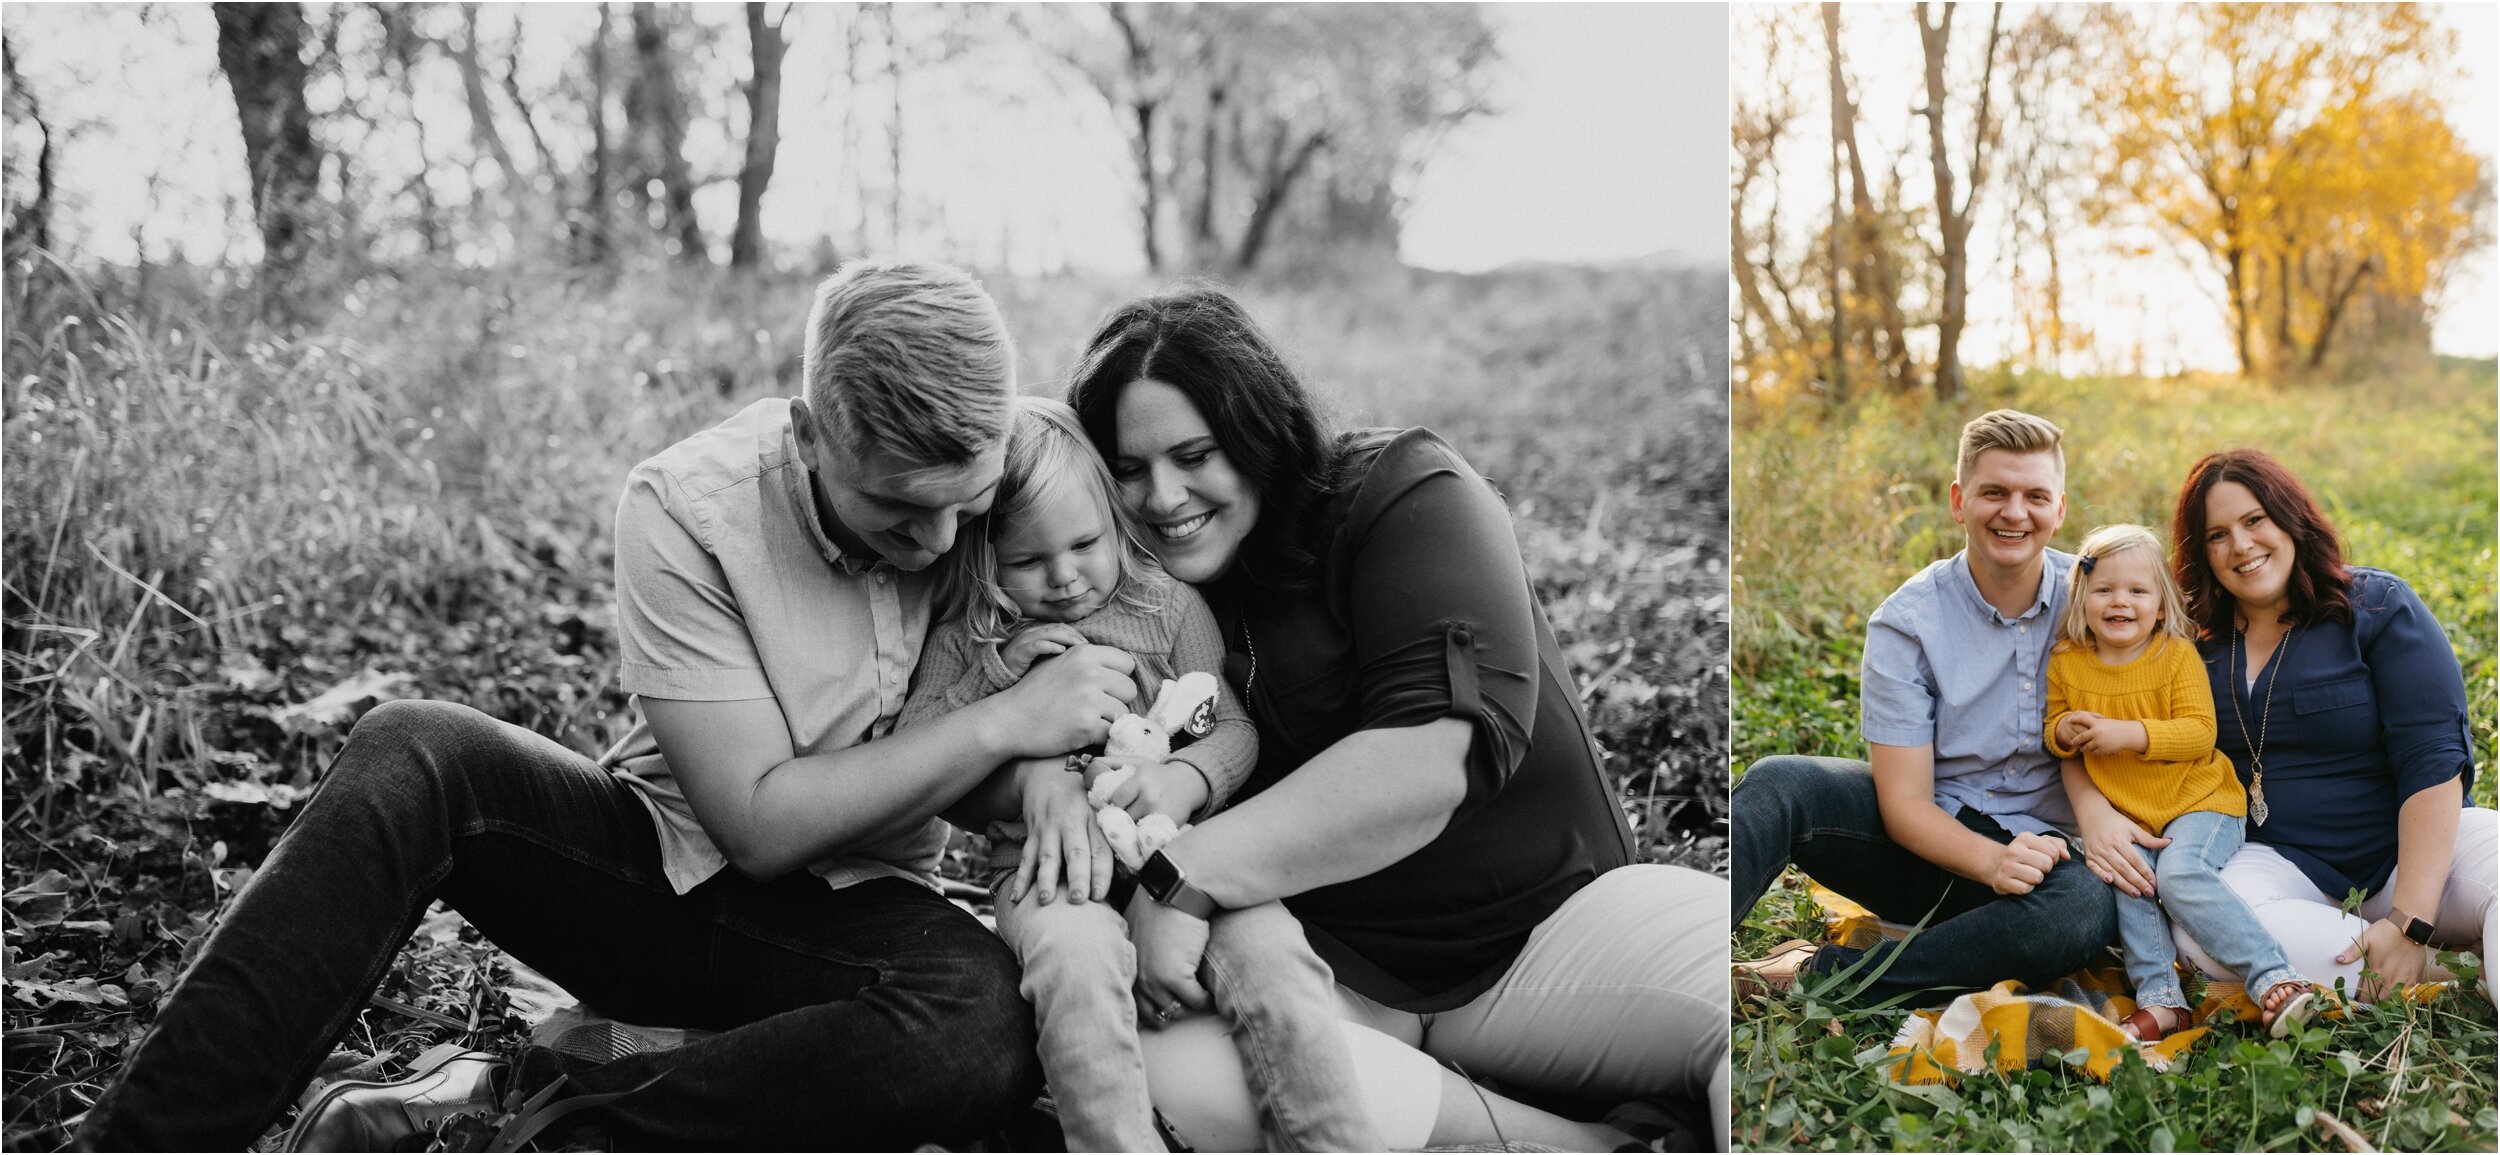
column 2164, row 688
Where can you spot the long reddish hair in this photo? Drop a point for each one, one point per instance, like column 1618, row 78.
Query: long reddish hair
column 2320, row 587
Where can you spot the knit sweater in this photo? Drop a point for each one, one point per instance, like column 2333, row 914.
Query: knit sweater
column 2165, row 689
column 1174, row 638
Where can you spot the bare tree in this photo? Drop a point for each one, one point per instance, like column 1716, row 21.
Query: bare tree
column 658, row 110
column 594, row 242
column 30, row 212
column 260, row 47
column 766, row 44
column 1953, row 213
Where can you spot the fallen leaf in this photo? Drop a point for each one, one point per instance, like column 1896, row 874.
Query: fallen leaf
column 338, row 703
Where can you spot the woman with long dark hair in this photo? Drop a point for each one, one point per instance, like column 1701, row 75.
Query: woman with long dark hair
column 1428, row 800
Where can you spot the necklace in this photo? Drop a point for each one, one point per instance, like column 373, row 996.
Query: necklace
column 2265, row 715
column 1253, row 650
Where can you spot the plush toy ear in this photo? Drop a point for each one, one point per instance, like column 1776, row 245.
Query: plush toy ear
column 1186, row 705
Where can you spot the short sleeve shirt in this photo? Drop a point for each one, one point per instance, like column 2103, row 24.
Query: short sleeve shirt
column 727, row 589
column 1943, row 668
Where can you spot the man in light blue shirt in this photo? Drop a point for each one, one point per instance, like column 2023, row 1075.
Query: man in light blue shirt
column 1959, row 817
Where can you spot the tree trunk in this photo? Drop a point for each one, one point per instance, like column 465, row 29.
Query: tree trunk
column 400, row 46
column 1211, row 165
column 482, row 117
column 1275, row 184
column 665, row 116
column 1953, row 215
column 593, row 242
column 260, row 47
column 30, row 221
column 764, row 41
column 1832, row 239
column 1871, row 271
column 2334, row 313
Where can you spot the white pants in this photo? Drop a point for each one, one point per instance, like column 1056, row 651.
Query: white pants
column 2313, row 928
column 1621, row 993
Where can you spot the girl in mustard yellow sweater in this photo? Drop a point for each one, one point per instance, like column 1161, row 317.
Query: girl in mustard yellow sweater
column 2132, row 715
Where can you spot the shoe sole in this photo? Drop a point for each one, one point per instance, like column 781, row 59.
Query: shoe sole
column 2301, row 1008
column 433, row 1059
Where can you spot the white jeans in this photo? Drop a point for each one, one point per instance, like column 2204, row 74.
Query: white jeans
column 1619, row 994
column 2313, row 928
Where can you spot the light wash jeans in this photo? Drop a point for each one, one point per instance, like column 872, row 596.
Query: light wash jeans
column 1079, row 971
column 2187, row 877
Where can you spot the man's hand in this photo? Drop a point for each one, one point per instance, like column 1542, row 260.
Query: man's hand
column 1173, row 789
column 2099, row 735
column 1170, row 946
column 1061, row 841
column 2109, row 842
column 1069, row 702
column 1033, row 641
column 2391, row 960
column 2021, row 864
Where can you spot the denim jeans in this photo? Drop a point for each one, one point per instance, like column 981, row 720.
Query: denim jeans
column 1821, row 814
column 2187, row 880
column 1079, row 970
column 878, row 1016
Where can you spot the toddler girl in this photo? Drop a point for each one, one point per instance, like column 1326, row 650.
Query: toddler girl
column 1058, row 563
column 2130, row 712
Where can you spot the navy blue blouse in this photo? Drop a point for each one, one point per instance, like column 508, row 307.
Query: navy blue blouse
column 2367, row 714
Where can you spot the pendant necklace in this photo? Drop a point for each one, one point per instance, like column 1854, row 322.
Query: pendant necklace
column 2265, row 715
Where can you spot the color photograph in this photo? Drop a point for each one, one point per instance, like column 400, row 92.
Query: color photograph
column 865, row 577
column 2113, row 509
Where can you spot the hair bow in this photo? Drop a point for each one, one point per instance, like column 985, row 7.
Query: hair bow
column 2085, row 562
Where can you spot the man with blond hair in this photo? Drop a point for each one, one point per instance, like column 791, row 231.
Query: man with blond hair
column 1958, row 820
column 755, row 858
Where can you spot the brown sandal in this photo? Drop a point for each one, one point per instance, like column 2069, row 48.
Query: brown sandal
column 1772, row 975
column 2146, row 1027
column 2287, row 1003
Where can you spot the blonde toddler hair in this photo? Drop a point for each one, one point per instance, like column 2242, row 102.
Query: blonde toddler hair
column 2074, row 630
column 1046, row 448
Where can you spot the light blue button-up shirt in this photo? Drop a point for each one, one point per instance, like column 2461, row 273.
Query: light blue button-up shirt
column 1943, row 668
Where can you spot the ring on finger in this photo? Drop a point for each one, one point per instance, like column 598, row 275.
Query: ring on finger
column 1168, row 1013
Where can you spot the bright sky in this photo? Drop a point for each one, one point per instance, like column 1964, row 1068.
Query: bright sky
column 2161, row 303
column 1609, row 141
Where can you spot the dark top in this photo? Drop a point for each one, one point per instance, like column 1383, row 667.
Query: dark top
column 1423, row 611
column 2367, row 714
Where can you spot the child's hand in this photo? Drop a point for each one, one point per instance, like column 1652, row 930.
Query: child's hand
column 2111, row 736
column 1033, row 641
column 1061, row 841
column 1173, row 789
column 2070, row 727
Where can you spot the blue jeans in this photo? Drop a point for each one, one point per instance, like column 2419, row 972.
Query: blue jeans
column 1079, row 970
column 1821, row 814
column 878, row 1016
column 2187, row 878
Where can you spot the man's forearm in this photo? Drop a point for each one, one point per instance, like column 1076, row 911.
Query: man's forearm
column 1924, row 829
column 821, row 805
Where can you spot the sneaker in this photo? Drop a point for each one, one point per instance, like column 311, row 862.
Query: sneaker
column 365, row 1115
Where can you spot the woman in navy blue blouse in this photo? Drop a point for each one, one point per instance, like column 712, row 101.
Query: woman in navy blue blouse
column 2340, row 702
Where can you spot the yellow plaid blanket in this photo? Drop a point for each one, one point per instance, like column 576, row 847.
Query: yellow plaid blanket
column 2015, row 1027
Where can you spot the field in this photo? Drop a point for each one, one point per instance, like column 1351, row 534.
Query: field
column 224, row 541
column 1835, row 508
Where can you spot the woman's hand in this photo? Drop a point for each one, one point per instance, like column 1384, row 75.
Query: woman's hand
column 1061, row 842
column 1034, row 641
column 2109, row 842
column 1170, row 946
column 1173, row 789
column 2390, row 961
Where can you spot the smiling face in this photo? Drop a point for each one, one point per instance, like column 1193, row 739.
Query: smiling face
column 2251, row 556
column 880, row 504
column 1059, row 560
column 1196, row 507
column 2122, row 602
column 2009, row 505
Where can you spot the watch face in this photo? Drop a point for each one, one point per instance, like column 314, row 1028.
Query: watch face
column 1158, row 876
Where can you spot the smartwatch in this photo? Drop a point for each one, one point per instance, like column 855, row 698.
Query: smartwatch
column 2419, row 930
column 1165, row 882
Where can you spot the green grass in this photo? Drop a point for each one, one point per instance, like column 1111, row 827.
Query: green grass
column 212, row 523
column 1834, row 508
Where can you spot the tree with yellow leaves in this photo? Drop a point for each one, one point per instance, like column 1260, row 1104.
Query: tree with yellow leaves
column 2299, row 147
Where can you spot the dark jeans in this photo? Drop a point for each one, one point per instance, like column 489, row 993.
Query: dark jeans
column 874, row 1017
column 1820, row 813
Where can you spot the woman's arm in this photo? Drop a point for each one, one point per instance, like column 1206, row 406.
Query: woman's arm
column 2426, row 846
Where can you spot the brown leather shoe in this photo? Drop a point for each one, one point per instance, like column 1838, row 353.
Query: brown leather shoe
column 364, row 1115
column 1772, row 975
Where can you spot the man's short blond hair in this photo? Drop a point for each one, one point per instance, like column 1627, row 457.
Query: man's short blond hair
column 2014, row 431
column 911, row 359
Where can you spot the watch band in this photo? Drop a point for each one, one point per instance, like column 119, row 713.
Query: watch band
column 1166, row 883
column 2417, row 929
